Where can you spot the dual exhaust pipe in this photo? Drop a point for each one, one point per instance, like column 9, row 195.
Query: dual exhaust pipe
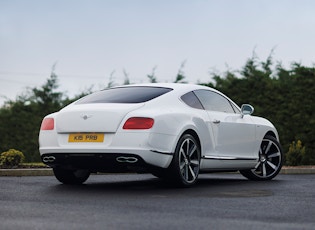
column 122, row 159
column 49, row 159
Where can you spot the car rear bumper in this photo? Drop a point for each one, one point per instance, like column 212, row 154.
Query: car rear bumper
column 117, row 161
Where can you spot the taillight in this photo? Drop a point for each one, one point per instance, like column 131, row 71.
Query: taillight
column 48, row 124
column 139, row 123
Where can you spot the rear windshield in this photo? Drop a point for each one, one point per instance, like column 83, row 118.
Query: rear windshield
column 135, row 94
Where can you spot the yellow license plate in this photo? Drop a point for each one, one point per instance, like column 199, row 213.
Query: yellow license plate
column 86, row 137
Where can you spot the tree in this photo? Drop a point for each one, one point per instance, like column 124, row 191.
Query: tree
column 285, row 97
column 296, row 112
column 180, row 74
column 20, row 120
column 152, row 76
column 126, row 81
column 111, row 82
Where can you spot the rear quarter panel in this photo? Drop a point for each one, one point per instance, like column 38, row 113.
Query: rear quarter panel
column 171, row 121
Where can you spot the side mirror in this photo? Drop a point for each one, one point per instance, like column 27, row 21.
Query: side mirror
column 247, row 109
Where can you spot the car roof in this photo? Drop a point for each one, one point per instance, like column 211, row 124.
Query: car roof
column 184, row 87
column 180, row 88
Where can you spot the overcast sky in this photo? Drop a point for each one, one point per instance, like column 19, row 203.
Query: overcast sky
column 91, row 40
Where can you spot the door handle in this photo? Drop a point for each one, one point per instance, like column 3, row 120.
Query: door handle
column 216, row 122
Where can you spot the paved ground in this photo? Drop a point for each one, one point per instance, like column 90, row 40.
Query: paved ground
column 218, row 201
column 48, row 171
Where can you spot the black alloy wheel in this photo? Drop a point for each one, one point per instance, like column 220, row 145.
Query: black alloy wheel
column 185, row 165
column 269, row 162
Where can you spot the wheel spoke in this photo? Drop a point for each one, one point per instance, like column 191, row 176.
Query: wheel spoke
column 257, row 165
column 268, row 147
column 182, row 153
column 194, row 162
column 187, row 147
column 182, row 170
column 182, row 165
column 186, row 173
column 271, row 165
column 264, row 172
column 192, row 150
column 192, row 173
column 277, row 154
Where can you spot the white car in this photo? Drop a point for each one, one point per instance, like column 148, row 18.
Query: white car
column 174, row 131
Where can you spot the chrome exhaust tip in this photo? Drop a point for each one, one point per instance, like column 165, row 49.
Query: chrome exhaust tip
column 49, row 159
column 123, row 159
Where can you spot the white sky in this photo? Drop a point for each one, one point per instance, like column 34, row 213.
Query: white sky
column 90, row 39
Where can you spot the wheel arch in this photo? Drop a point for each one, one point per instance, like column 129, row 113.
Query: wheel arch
column 273, row 134
column 200, row 132
column 270, row 133
column 194, row 134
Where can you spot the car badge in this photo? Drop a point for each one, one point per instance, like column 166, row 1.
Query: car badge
column 86, row 116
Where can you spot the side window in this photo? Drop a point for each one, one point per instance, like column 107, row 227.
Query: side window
column 214, row 101
column 191, row 100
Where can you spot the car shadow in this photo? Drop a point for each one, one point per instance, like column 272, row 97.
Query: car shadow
column 219, row 185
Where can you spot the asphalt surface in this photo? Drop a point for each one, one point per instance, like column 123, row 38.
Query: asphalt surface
column 122, row 201
column 48, row 171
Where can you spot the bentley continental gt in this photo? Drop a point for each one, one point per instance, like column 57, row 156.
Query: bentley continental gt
column 174, row 131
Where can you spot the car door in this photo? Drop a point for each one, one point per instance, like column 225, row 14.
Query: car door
column 234, row 134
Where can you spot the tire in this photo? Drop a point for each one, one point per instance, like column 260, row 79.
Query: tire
column 269, row 162
column 71, row 176
column 185, row 166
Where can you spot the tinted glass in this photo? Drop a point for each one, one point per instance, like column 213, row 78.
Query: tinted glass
column 236, row 110
column 136, row 94
column 191, row 100
column 214, row 101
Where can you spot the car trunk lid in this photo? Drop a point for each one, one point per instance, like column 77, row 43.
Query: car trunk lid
column 101, row 117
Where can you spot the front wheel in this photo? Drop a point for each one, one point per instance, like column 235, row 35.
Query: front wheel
column 71, row 176
column 269, row 162
column 185, row 165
